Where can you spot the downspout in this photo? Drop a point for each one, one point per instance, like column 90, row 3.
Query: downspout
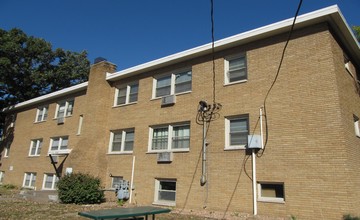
column 203, row 174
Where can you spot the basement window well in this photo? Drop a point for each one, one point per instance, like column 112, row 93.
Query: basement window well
column 271, row 192
column 165, row 192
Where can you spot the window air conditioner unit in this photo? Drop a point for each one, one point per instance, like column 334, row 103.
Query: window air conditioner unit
column 60, row 120
column 168, row 100
column 165, row 157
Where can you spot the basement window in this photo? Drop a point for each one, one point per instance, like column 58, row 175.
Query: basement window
column 356, row 126
column 165, row 192
column 271, row 192
column 29, row 180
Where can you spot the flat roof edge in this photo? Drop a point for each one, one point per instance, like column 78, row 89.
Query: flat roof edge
column 227, row 42
column 63, row 92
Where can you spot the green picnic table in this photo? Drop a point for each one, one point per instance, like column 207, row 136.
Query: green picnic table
column 123, row 213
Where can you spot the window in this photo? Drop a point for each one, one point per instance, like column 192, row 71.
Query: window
column 116, row 181
column 50, row 181
column 171, row 84
column 59, row 143
column 356, row 126
column 7, row 150
column 127, row 94
column 235, row 69
column 35, row 147
column 271, row 192
column 170, row 138
column 236, row 132
column 29, row 180
column 42, row 113
column 2, row 174
column 165, row 192
column 122, row 141
column 64, row 108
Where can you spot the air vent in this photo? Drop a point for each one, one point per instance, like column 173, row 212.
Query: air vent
column 168, row 100
column 165, row 157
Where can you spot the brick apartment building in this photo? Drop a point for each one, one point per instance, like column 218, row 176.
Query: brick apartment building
column 118, row 125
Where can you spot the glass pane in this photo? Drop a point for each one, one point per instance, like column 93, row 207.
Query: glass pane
column 61, row 111
column 64, row 144
column 70, row 108
column 238, row 125
column 165, row 195
column 160, row 139
column 121, row 96
column 133, row 93
column 55, row 144
column 237, row 69
column 39, row 147
column 272, row 190
column 40, row 115
column 129, row 141
column 163, row 86
column 45, row 113
column 33, row 148
column 33, row 180
column 48, row 181
column 167, row 185
column 238, row 139
column 183, row 82
column 181, row 137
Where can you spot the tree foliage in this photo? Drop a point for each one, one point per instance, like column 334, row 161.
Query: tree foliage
column 29, row 67
column 356, row 30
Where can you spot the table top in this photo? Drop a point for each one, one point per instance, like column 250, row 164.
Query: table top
column 124, row 212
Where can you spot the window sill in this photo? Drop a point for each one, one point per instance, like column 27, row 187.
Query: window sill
column 120, row 153
column 235, row 148
column 39, row 122
column 176, row 94
column 164, row 203
column 123, row 105
column 237, row 82
column 173, row 151
column 33, row 156
column 271, row 200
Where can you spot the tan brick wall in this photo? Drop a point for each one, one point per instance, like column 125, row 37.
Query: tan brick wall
column 311, row 148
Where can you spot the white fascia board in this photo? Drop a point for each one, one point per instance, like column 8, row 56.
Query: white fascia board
column 331, row 14
column 60, row 93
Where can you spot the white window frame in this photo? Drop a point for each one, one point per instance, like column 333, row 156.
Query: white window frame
column 172, row 82
column 61, row 139
column 7, row 150
column 2, row 175
column 170, row 129
column 123, row 141
column 68, row 109
column 128, row 88
column 157, row 200
column 32, row 180
column 227, row 132
column 37, row 144
column 113, row 182
column 42, row 112
column 227, row 66
column 356, row 126
column 270, row 199
column 54, row 180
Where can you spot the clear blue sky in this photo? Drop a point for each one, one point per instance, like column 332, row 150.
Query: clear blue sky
column 130, row 32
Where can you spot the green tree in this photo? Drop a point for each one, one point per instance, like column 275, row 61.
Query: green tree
column 29, row 67
column 356, row 30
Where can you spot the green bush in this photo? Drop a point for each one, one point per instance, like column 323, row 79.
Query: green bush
column 80, row 188
column 349, row 217
column 9, row 186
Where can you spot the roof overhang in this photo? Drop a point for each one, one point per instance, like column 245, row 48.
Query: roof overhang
column 53, row 95
column 331, row 14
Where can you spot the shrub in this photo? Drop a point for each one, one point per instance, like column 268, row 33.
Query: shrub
column 9, row 186
column 349, row 217
column 80, row 188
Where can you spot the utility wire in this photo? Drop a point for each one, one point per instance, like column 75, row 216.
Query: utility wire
column 278, row 72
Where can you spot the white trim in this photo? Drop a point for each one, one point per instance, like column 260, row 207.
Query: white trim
column 124, row 133
column 60, row 93
column 156, row 192
column 227, row 132
column 270, row 199
column 54, row 180
column 37, row 142
column 32, row 176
